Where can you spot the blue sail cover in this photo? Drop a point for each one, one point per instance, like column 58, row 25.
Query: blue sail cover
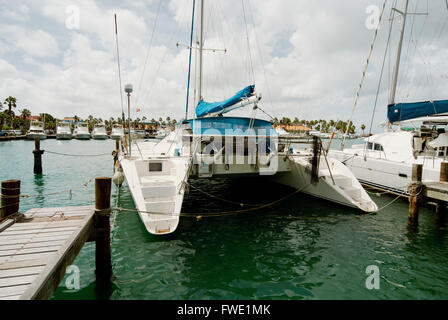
column 406, row 111
column 203, row 108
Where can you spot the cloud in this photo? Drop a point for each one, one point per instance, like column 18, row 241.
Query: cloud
column 307, row 56
column 36, row 43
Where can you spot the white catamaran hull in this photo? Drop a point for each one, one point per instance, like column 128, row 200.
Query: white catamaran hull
column 157, row 183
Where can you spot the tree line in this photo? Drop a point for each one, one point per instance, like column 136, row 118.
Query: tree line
column 326, row 126
column 10, row 120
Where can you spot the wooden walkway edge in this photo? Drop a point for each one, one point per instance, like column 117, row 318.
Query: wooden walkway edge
column 36, row 250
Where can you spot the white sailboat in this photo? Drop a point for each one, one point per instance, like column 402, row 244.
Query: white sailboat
column 385, row 160
column 82, row 131
column 63, row 131
column 36, row 131
column 212, row 145
column 99, row 132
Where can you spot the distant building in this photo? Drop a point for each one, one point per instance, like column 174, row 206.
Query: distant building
column 70, row 120
column 33, row 118
column 150, row 126
column 294, row 128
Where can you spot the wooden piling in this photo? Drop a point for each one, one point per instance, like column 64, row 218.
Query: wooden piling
column 444, row 172
column 102, row 230
column 37, row 157
column 441, row 206
column 415, row 190
column 10, row 197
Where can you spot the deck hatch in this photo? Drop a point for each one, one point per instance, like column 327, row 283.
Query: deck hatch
column 155, row 167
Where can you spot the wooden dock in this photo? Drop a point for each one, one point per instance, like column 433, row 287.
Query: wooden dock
column 38, row 246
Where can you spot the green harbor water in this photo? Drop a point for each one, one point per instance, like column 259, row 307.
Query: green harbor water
column 302, row 248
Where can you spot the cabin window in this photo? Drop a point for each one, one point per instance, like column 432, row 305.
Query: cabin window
column 378, row 147
column 155, row 166
column 370, row 145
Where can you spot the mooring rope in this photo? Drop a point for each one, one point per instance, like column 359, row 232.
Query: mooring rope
column 217, row 214
column 78, row 155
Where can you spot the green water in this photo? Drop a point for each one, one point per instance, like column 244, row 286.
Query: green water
column 302, row 248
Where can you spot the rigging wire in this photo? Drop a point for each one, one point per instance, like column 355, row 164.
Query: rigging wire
column 363, row 75
column 189, row 60
column 147, row 54
column 248, row 43
column 118, row 61
column 380, row 80
column 261, row 56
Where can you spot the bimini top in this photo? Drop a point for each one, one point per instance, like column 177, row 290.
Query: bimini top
column 232, row 126
column 406, row 111
column 203, row 108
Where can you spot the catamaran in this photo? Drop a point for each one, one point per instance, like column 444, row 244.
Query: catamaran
column 63, row 131
column 385, row 160
column 99, row 132
column 211, row 145
column 36, row 131
column 82, row 131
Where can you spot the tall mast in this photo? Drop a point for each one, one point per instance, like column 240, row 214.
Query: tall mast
column 201, row 44
column 397, row 62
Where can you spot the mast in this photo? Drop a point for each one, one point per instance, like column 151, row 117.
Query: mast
column 397, row 62
column 201, row 44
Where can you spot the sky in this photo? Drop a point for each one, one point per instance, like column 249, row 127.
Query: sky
column 305, row 57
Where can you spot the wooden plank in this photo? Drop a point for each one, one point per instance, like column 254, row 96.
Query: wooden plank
column 31, row 245
column 6, row 224
column 36, row 231
column 22, row 264
column 52, row 224
column 15, row 281
column 20, row 272
column 30, row 256
column 11, row 291
column 33, row 235
column 34, row 240
column 16, row 252
column 49, row 279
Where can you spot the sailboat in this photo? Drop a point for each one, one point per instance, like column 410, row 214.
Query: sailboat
column 212, row 145
column 385, row 160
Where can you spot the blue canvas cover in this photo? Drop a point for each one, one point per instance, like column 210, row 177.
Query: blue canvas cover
column 203, row 108
column 406, row 111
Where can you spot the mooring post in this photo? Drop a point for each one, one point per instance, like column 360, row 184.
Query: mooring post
column 441, row 205
column 10, row 194
column 37, row 157
column 415, row 191
column 102, row 230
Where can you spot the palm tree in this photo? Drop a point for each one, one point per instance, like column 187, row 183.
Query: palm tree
column 363, row 127
column 11, row 103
